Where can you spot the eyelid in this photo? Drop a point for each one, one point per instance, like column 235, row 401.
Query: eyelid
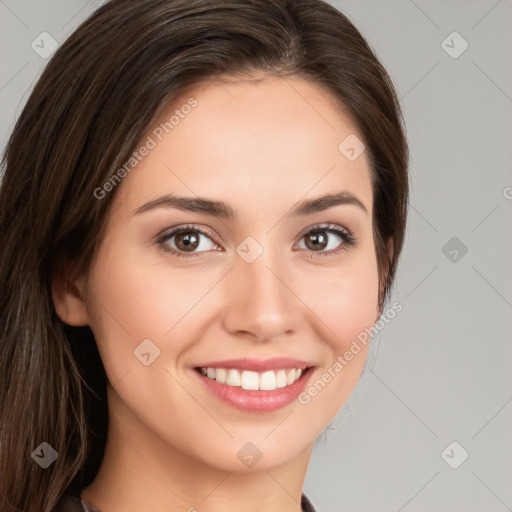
column 348, row 239
column 324, row 227
column 169, row 232
column 164, row 236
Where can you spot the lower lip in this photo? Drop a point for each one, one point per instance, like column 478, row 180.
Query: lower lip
column 256, row 400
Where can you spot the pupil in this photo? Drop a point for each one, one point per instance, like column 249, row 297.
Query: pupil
column 187, row 240
column 318, row 240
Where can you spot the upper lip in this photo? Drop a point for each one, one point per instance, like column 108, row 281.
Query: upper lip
column 258, row 365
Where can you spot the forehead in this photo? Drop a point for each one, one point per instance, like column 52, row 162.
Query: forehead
column 263, row 143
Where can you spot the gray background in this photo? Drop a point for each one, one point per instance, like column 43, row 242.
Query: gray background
column 442, row 372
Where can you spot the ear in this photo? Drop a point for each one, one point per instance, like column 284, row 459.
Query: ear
column 68, row 296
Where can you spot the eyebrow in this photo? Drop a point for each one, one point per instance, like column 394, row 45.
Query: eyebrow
column 224, row 211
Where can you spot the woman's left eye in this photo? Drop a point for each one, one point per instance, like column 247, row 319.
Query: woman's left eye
column 190, row 238
column 316, row 239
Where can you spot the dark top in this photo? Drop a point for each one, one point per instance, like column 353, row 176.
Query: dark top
column 71, row 503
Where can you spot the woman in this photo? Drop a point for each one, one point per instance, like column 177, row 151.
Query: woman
column 203, row 206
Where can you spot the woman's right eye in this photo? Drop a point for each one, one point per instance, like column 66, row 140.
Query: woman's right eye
column 186, row 240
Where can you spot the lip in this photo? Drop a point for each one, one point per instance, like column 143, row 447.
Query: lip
column 251, row 400
column 258, row 365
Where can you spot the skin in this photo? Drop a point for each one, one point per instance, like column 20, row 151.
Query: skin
column 260, row 147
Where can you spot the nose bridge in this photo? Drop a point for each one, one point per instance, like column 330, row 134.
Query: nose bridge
column 262, row 302
column 263, row 278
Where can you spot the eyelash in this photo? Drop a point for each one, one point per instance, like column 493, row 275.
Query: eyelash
column 347, row 238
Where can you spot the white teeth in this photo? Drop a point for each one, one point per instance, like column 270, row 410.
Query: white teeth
column 266, row 381
column 233, row 378
column 281, row 379
column 250, row 380
column 221, row 375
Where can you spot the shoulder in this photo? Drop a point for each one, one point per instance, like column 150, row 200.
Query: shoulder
column 68, row 503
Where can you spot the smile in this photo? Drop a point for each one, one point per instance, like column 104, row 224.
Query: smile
column 252, row 391
column 246, row 379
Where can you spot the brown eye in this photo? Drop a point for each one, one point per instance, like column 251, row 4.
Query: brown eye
column 333, row 237
column 316, row 241
column 187, row 242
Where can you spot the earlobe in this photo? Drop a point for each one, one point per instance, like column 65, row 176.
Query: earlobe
column 68, row 298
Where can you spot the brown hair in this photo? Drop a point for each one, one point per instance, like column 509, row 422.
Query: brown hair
column 96, row 99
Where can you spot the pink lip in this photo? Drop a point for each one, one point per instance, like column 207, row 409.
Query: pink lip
column 258, row 365
column 256, row 400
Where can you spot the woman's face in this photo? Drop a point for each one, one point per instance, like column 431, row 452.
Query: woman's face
column 244, row 281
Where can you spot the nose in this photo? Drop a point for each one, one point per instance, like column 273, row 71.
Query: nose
column 259, row 299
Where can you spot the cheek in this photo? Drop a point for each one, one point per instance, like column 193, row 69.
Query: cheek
column 134, row 300
column 345, row 307
column 137, row 298
column 177, row 307
column 345, row 299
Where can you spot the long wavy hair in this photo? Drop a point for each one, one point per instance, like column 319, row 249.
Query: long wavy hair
column 95, row 100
